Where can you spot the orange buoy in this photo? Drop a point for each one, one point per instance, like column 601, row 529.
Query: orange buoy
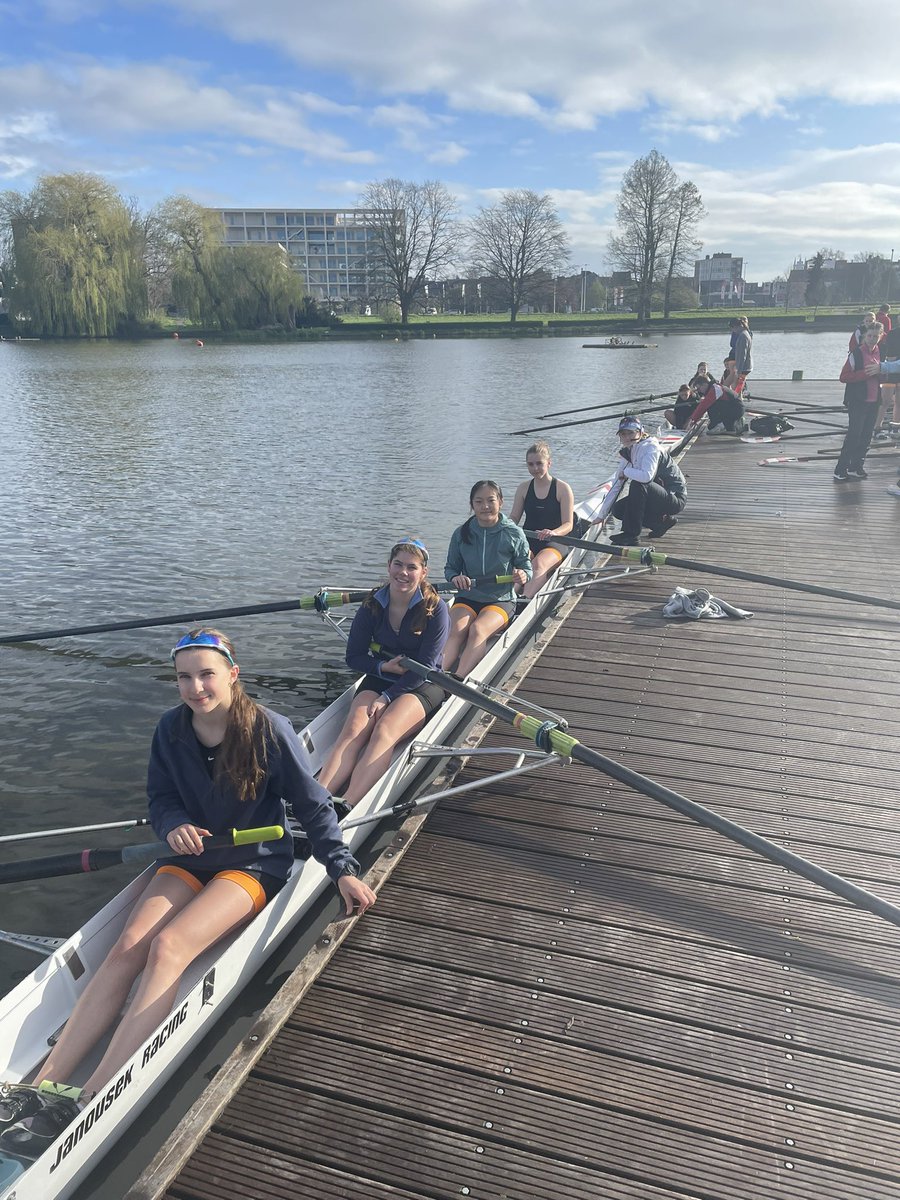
column 198, row 342
column 176, row 335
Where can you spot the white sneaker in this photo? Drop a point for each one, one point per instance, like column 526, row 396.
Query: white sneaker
column 894, row 489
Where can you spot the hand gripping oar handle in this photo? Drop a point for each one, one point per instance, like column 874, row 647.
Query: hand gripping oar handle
column 653, row 558
column 80, row 861
column 549, row 738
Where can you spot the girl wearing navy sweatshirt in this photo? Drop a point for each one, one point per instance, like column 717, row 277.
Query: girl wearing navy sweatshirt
column 218, row 761
column 408, row 618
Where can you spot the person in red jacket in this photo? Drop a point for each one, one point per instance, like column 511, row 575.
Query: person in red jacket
column 884, row 316
column 861, row 398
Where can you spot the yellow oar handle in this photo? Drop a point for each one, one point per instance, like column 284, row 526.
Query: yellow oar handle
column 248, row 837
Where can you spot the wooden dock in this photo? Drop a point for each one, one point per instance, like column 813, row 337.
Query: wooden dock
column 567, row 990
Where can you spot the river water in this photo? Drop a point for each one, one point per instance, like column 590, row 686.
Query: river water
column 158, row 477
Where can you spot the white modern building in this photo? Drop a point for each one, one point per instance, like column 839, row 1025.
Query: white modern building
column 719, row 279
column 333, row 249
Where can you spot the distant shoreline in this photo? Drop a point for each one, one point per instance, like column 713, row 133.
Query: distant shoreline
column 539, row 326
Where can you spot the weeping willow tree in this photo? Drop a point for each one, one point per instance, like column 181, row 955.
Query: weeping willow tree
column 225, row 287
column 73, row 257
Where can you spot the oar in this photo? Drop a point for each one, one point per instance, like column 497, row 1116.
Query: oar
column 625, row 405
column 48, row 833
column 652, row 558
column 320, row 601
column 584, row 421
column 820, row 456
column 80, row 861
column 548, row 737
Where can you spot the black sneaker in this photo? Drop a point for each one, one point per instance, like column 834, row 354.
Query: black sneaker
column 624, row 539
column 859, row 473
column 16, row 1104
column 31, row 1137
column 663, row 527
column 841, row 476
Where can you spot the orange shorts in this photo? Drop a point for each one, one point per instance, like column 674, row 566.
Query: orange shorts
column 244, row 879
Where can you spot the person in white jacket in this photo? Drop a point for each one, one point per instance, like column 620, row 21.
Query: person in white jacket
column 657, row 491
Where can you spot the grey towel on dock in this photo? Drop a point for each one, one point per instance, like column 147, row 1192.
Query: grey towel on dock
column 698, row 604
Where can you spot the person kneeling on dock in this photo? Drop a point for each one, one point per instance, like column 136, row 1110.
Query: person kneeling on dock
column 405, row 618
column 657, row 491
column 724, row 408
column 218, row 761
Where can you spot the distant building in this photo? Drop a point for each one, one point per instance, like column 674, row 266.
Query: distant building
column 718, row 280
column 333, row 249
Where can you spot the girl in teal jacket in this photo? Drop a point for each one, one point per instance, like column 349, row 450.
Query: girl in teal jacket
column 486, row 545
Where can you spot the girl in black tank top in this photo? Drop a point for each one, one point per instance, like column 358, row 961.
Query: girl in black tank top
column 551, row 515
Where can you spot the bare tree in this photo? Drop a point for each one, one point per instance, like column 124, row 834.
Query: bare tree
column 415, row 233
column 516, row 242
column 656, row 216
column 686, row 213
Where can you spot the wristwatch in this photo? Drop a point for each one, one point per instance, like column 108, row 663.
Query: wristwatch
column 351, row 867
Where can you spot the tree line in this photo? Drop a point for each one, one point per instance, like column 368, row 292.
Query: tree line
column 78, row 259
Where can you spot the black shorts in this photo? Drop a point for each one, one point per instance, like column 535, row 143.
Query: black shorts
column 429, row 695
column 476, row 606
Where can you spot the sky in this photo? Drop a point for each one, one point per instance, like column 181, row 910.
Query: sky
column 785, row 115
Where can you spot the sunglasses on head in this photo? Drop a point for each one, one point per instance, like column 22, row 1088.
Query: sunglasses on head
column 202, row 641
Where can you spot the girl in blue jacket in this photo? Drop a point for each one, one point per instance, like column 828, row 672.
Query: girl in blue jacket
column 218, row 761
column 405, row 617
column 486, row 545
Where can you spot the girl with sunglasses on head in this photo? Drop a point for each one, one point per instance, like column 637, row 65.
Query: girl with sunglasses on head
column 404, row 617
column 218, row 761
column 548, row 507
column 486, row 545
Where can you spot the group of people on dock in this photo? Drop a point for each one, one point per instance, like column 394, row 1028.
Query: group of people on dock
column 722, row 402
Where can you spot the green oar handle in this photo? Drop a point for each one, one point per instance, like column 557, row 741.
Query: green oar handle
column 80, row 861
column 653, row 558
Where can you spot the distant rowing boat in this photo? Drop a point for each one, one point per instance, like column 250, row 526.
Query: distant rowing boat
column 611, row 345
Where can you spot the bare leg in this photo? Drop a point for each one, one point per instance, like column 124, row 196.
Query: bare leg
column 488, row 622
column 401, row 719
column 461, row 619
column 344, row 754
column 101, row 1001
column 542, row 565
column 221, row 907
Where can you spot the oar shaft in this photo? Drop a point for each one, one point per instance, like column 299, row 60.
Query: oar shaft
column 186, row 618
column 569, row 747
column 624, row 405
column 652, row 558
column 585, row 421
column 78, row 862
column 49, row 833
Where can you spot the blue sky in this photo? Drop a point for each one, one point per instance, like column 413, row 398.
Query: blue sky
column 786, row 116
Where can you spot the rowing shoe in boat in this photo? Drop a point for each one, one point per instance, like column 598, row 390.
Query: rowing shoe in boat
column 32, row 1014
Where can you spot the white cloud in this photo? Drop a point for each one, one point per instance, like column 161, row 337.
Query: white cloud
column 602, row 59
column 447, row 154
column 136, row 99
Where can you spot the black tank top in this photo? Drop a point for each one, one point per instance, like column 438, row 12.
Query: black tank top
column 541, row 514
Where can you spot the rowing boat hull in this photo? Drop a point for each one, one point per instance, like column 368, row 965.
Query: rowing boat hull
column 40, row 1004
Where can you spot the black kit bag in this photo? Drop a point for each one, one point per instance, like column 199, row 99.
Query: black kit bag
column 770, row 425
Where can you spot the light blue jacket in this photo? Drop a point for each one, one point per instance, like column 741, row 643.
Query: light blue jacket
column 498, row 550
